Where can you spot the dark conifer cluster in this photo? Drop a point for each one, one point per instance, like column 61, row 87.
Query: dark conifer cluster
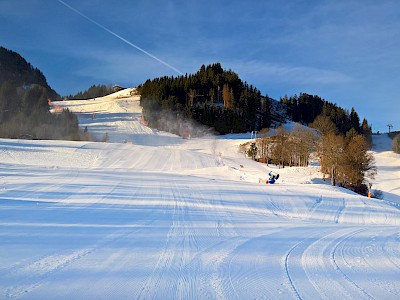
column 94, row 91
column 15, row 69
column 213, row 96
column 306, row 108
column 24, row 109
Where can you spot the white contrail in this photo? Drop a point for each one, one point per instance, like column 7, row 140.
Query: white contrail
column 120, row 37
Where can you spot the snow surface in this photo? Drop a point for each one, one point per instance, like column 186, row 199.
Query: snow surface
column 159, row 217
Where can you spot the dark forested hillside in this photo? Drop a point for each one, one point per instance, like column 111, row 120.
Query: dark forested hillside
column 306, row 108
column 213, row 96
column 24, row 109
column 218, row 98
column 14, row 68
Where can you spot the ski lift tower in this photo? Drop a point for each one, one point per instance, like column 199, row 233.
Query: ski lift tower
column 389, row 126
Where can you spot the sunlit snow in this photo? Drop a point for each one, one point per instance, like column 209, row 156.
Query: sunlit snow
column 150, row 215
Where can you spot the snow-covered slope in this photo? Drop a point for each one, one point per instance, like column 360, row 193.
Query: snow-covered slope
column 388, row 164
column 167, row 218
column 118, row 115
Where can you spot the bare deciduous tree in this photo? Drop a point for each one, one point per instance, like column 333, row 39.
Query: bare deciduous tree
column 396, row 144
column 280, row 151
column 263, row 145
column 347, row 160
column 323, row 124
column 303, row 142
column 331, row 150
column 357, row 163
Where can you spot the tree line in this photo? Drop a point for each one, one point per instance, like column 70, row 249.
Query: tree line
column 306, row 108
column 213, row 96
column 344, row 158
column 218, row 98
column 25, row 112
column 94, row 91
column 283, row 147
column 24, row 109
column 14, row 68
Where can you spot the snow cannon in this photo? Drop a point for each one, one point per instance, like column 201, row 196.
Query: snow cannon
column 272, row 177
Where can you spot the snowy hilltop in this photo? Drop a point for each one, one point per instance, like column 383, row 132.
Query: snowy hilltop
column 150, row 215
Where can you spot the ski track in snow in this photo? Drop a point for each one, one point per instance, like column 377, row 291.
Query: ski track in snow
column 289, row 277
column 159, row 217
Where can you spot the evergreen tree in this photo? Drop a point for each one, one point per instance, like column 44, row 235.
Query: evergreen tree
column 252, row 152
column 227, row 96
column 366, row 131
column 35, row 98
column 92, row 92
column 9, row 100
column 355, row 120
column 306, row 108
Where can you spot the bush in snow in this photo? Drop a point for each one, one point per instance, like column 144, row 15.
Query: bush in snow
column 396, row 144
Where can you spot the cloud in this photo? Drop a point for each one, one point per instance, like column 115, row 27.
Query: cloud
column 122, row 67
column 18, row 9
column 291, row 74
column 121, row 38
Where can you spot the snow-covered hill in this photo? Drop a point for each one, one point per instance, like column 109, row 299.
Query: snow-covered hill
column 388, row 164
column 160, row 217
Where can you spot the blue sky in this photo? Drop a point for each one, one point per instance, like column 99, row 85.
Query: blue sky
column 346, row 51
